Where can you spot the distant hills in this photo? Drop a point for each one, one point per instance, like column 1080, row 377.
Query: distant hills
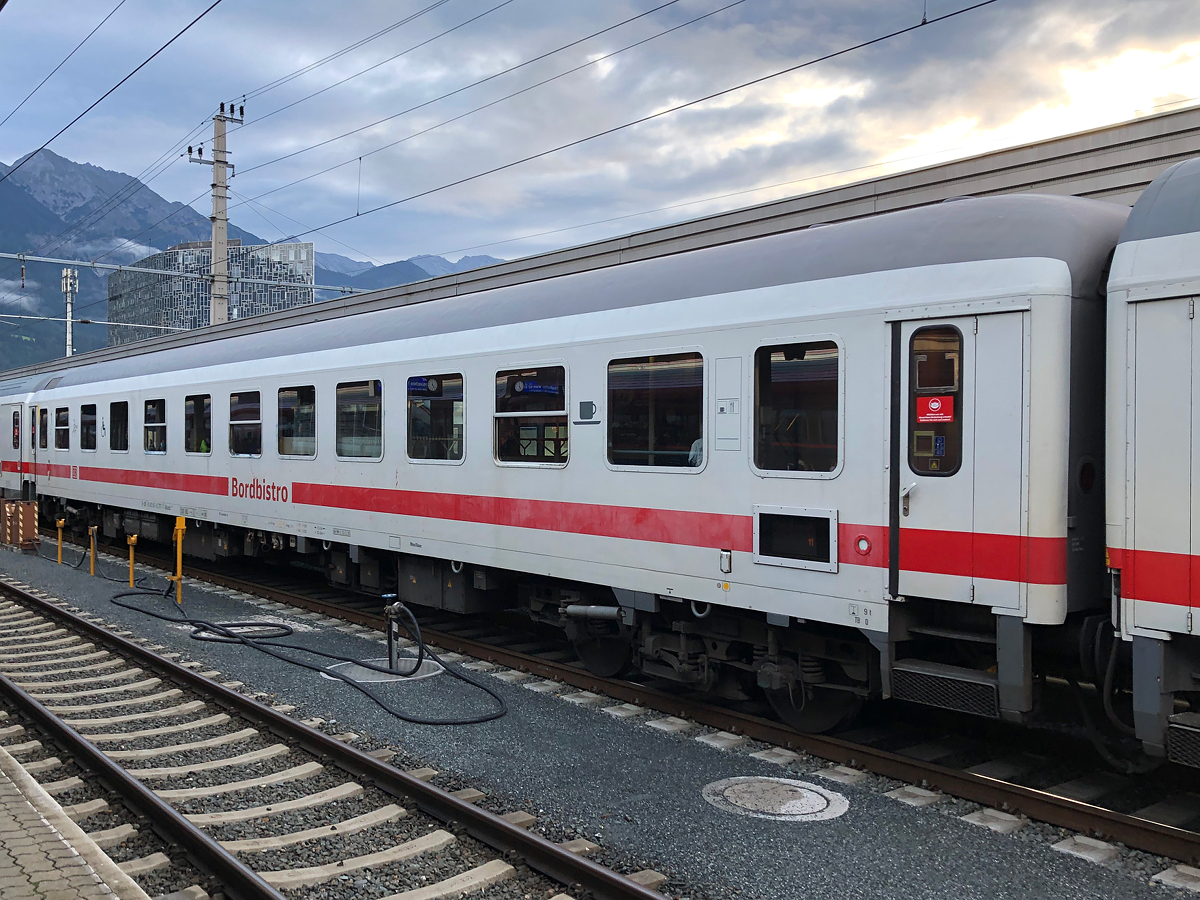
column 55, row 207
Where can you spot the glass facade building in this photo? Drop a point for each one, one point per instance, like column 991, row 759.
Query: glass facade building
column 144, row 299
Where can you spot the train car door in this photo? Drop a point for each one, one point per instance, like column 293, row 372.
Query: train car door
column 961, row 420
column 10, row 447
column 1162, row 439
column 30, row 455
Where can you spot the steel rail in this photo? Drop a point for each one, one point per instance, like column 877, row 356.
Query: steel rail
column 238, row 880
column 545, row 856
column 1141, row 834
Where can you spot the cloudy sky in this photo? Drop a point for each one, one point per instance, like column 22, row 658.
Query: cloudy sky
column 1014, row 71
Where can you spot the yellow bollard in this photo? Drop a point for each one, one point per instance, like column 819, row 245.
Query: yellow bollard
column 92, row 535
column 131, row 540
column 180, row 528
column 60, row 523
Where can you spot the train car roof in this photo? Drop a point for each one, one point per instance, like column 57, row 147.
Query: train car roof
column 1080, row 232
column 1169, row 206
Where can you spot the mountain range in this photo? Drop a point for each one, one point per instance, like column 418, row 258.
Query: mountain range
column 55, row 207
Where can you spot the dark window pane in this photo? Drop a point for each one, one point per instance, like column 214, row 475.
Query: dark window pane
column 298, row 421
column 17, row 430
column 62, row 428
column 796, row 407
column 359, row 420
column 935, row 414
column 87, row 426
column 154, row 429
column 794, row 537
column 197, row 423
column 43, row 428
column 540, row 439
column 245, row 424
column 435, row 417
column 656, row 411
column 532, row 390
column 118, row 425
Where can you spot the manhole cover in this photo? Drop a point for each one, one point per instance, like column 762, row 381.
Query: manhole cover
column 776, row 798
column 362, row 674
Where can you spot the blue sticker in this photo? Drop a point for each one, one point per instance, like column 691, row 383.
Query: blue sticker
column 939, row 445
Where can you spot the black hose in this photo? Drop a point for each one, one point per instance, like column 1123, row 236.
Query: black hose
column 1124, row 766
column 233, row 632
column 1107, row 691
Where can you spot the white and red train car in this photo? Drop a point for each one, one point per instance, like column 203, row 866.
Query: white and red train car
column 854, row 460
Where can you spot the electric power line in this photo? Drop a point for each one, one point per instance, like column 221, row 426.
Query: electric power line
column 61, row 64
column 103, row 96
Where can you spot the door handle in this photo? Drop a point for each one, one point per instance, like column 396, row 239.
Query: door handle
column 904, row 497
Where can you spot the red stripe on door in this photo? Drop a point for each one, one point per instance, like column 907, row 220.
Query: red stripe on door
column 1158, row 577
column 1003, row 557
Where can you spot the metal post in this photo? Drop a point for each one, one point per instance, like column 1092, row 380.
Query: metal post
column 131, row 540
column 219, row 293
column 70, row 287
column 180, row 528
column 92, row 535
column 60, row 523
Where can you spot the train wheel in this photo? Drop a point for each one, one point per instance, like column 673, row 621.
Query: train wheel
column 814, row 710
column 605, row 656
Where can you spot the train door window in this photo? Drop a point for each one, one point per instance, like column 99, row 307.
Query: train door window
column 531, row 420
column 17, row 430
column 935, row 409
column 62, row 428
column 435, row 417
column 359, row 420
column 656, row 411
column 154, row 427
column 197, row 423
column 43, row 428
column 118, row 426
column 796, row 397
column 87, row 426
column 297, row 427
column 245, row 423
column 33, row 430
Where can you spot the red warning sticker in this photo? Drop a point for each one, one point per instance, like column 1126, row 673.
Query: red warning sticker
column 935, row 409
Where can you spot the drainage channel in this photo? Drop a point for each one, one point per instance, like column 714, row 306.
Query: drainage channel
column 332, row 763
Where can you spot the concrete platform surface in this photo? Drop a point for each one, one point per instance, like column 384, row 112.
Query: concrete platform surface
column 632, row 789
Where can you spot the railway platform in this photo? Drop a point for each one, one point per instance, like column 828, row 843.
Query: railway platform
column 44, row 855
column 721, row 816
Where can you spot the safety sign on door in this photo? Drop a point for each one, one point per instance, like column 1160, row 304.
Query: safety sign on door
column 935, row 409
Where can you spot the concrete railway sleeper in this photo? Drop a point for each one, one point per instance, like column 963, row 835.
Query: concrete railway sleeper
column 414, row 820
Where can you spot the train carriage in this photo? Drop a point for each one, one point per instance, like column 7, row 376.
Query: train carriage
column 861, row 459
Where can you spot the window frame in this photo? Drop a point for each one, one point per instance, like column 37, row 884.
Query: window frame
column 788, row 562
column 111, row 404
column 408, row 423
column 565, row 414
column 95, row 427
column 316, row 429
column 64, row 428
column 211, row 409
column 231, row 423
column 705, row 418
column 162, row 425
column 351, row 379
column 752, row 394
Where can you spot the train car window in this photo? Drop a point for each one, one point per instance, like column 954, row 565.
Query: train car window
column 531, row 421
column 33, row 427
column 298, row 421
column 87, row 426
column 359, row 420
column 796, row 397
column 245, row 423
column 435, row 417
column 17, row 430
column 118, row 426
column 197, row 423
column 935, row 409
column 154, row 427
column 656, row 411
column 62, row 428
column 43, row 428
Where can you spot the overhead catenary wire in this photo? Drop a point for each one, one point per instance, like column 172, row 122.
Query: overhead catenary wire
column 653, row 116
column 65, row 60
column 110, row 91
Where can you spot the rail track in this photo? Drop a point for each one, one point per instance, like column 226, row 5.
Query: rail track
column 1069, row 798
column 119, row 711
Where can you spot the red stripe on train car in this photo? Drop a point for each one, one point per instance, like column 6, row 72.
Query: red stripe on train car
column 1158, row 577
column 1003, row 557
column 166, row 481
